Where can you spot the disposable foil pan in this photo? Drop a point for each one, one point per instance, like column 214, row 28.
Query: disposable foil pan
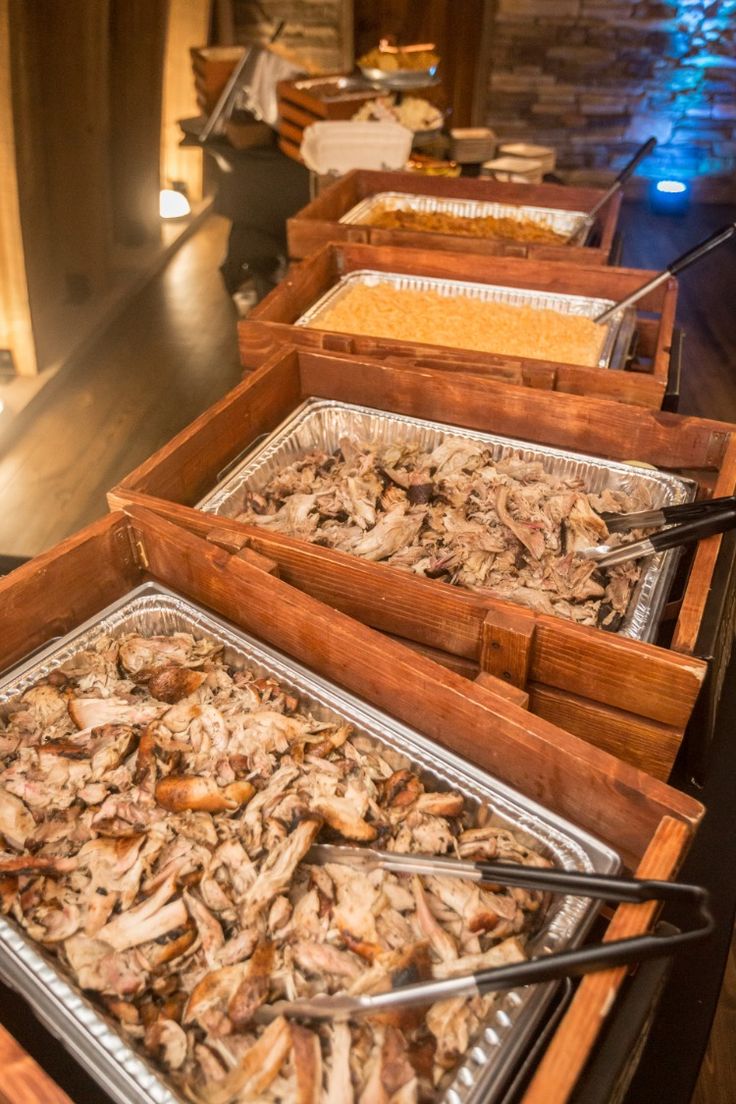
column 151, row 609
column 552, row 218
column 616, row 333
column 333, row 89
column 320, row 423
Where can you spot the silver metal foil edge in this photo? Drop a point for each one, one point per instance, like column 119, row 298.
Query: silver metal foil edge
column 128, row 1078
column 321, row 423
column 618, row 330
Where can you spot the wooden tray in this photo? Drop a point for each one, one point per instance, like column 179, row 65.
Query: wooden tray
column 271, row 323
column 649, row 823
column 630, row 698
column 299, row 107
column 319, row 222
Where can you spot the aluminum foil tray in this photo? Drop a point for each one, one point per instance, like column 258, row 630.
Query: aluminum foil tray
column 553, row 218
column 85, row 1030
column 617, row 332
column 322, row 422
column 334, row 89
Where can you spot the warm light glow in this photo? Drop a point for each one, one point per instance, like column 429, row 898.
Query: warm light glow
column 173, row 204
column 2, row 406
column 672, row 187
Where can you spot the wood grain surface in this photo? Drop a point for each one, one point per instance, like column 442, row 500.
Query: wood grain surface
column 167, row 357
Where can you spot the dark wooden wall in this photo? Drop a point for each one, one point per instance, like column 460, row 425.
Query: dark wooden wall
column 457, row 27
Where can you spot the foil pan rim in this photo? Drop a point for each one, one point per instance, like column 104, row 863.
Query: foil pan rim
column 570, row 219
column 126, row 1075
column 648, row 598
column 618, row 330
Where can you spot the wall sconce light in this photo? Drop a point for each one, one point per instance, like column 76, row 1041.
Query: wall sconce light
column 669, row 197
column 173, row 202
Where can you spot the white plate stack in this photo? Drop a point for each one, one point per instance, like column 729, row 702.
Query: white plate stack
column 545, row 154
column 519, row 170
column 471, row 145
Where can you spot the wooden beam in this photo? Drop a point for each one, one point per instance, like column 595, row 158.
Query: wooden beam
column 137, row 36
column 16, row 326
column 188, row 25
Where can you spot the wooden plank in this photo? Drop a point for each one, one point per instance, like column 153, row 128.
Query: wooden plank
column 506, row 643
column 16, row 323
column 137, row 39
column 235, row 544
column 461, row 666
column 66, row 229
column 56, row 591
column 605, row 795
column 503, row 689
column 583, row 424
column 661, row 357
column 23, row 1080
column 648, row 745
column 565, row 1056
column 187, row 27
column 701, row 572
column 640, row 678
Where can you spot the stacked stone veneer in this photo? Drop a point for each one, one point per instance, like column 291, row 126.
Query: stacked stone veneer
column 594, row 78
column 312, row 31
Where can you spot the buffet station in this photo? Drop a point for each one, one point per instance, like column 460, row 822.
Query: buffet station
column 343, row 759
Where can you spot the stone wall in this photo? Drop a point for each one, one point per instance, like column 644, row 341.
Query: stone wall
column 594, row 78
column 315, row 32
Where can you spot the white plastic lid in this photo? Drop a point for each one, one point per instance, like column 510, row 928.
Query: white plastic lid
column 338, row 147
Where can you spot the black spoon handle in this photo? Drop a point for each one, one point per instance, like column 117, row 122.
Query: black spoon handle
column 702, row 249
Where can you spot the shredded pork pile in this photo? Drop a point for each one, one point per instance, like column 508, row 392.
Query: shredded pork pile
column 507, row 527
column 156, row 807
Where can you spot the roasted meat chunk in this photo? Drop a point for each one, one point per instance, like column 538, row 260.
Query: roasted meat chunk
column 503, row 526
column 156, row 821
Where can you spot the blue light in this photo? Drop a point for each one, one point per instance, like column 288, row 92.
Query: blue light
column 669, row 197
column 672, row 187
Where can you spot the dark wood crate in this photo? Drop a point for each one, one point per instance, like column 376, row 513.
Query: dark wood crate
column 271, row 323
column 319, row 222
column 632, row 699
column 648, row 822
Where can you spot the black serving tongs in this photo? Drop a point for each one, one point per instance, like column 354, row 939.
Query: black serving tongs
column 699, row 520
column 682, row 262
column 585, row 224
column 544, row 968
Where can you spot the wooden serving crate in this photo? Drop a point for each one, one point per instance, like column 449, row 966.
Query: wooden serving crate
column 304, row 101
column 319, row 222
column 300, row 104
column 271, row 323
column 648, row 822
column 632, row 699
column 212, row 67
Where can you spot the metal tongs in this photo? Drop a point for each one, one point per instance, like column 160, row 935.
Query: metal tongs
column 699, row 520
column 544, row 968
column 683, row 261
column 582, row 228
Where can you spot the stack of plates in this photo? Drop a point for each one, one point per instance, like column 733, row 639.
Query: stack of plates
column 472, row 144
column 545, row 154
column 522, row 170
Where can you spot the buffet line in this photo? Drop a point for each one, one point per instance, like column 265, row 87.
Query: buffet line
column 407, row 588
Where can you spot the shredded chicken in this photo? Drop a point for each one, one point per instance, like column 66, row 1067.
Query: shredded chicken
column 156, row 811
column 506, row 527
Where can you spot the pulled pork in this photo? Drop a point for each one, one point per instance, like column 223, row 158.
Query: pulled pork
column 159, row 853
column 505, row 527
